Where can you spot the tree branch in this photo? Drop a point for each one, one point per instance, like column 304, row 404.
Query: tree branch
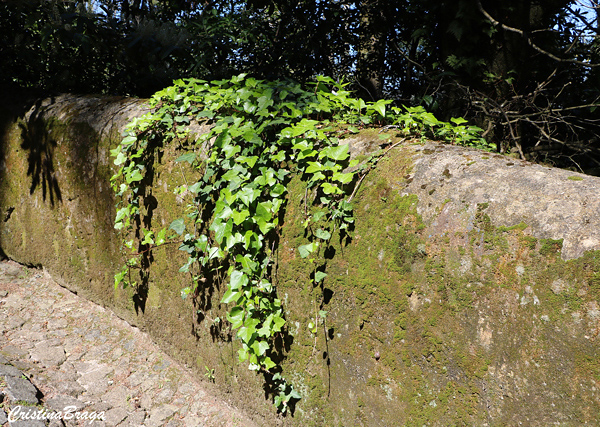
column 528, row 40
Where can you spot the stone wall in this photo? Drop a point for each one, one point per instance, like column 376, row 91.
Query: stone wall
column 467, row 293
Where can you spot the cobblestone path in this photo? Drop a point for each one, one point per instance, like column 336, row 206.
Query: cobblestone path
column 70, row 359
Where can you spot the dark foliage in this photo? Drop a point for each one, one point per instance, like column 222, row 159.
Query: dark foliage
column 525, row 71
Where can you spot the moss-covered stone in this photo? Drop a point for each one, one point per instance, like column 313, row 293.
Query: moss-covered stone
column 438, row 312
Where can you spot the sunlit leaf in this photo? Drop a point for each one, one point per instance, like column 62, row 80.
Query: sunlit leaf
column 178, row 226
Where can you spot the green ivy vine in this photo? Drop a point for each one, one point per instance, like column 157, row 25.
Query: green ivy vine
column 260, row 134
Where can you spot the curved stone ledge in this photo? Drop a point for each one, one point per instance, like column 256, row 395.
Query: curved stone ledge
column 467, row 293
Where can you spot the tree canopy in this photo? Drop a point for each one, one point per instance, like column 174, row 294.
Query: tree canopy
column 527, row 72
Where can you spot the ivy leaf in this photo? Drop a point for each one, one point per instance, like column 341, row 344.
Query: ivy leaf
column 221, row 229
column 278, row 323
column 231, row 175
column 188, row 157
column 246, row 332
column 201, row 243
column 278, row 157
column 306, row 250
column 128, row 140
column 268, row 363
column 250, row 161
column 277, row 190
column 236, row 317
column 265, row 226
column 319, row 275
column 318, row 215
column 231, row 150
column 262, row 212
column 134, row 176
column 338, row 153
column 214, row 252
column 148, row 237
column 331, row 189
column 238, row 280
column 222, row 210
column 122, row 213
column 247, row 195
column 178, row 226
column 161, row 236
column 260, row 347
column 233, row 239
column 121, row 158
column 323, row 234
column 302, row 145
column 206, row 114
column 248, row 265
column 343, row 178
column 314, row 167
column 195, row 188
column 231, row 296
column 239, row 216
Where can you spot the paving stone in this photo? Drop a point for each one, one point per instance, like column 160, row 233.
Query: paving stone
column 99, row 406
column 165, row 394
column 115, row 416
column 160, row 414
column 11, row 270
column 146, row 401
column 12, row 351
column 186, row 388
column 161, row 365
column 79, row 354
column 67, row 372
column 192, row 421
column 21, row 390
column 15, row 323
column 26, row 365
column 48, row 354
column 28, row 423
column 29, row 337
column 56, row 423
column 3, row 417
column 71, row 388
column 9, row 371
column 60, row 402
column 137, row 418
column 94, row 377
column 136, row 379
column 118, row 396
column 58, row 334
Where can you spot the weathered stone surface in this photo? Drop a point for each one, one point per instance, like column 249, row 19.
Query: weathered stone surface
column 61, row 398
column 28, row 423
column 159, row 415
column 47, row 354
column 473, row 277
column 115, row 416
column 555, row 203
column 9, row 371
column 21, row 390
column 61, row 401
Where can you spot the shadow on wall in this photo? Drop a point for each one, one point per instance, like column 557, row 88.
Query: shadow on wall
column 40, row 158
column 15, row 103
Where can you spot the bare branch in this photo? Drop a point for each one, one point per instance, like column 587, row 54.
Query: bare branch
column 528, row 40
